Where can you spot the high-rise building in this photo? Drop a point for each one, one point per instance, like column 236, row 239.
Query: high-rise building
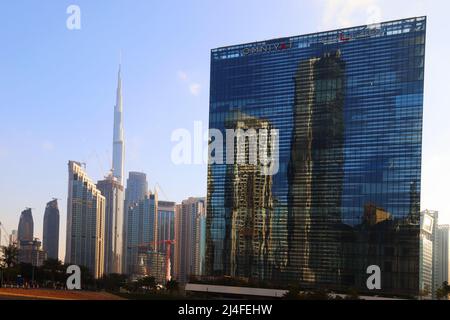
column 112, row 190
column 345, row 110
column 428, row 222
column 442, row 255
column 142, row 233
column 85, row 234
column 50, row 237
column 31, row 252
column 118, row 139
column 137, row 187
column 25, row 231
column 166, row 229
column 13, row 237
column 189, row 251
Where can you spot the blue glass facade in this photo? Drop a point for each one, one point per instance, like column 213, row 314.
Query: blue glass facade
column 347, row 105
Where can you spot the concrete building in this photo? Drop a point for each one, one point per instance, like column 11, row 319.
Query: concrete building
column 31, row 252
column 442, row 254
column 112, row 190
column 85, row 235
column 166, row 230
column 428, row 223
column 189, row 237
column 118, row 137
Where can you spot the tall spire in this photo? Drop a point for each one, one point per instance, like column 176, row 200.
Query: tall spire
column 118, row 141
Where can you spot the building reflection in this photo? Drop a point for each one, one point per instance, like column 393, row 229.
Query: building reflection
column 316, row 170
column 249, row 203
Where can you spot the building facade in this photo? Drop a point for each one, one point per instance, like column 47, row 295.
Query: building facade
column 112, row 190
column 166, row 230
column 50, row 239
column 142, row 233
column 442, row 253
column 31, row 252
column 137, row 187
column 25, row 231
column 345, row 107
column 189, row 251
column 118, row 136
column 428, row 222
column 85, row 234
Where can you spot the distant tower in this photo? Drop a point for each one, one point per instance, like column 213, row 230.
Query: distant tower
column 118, row 142
column 26, row 226
column 51, row 229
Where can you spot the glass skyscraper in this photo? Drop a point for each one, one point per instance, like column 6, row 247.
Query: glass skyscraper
column 50, row 239
column 347, row 106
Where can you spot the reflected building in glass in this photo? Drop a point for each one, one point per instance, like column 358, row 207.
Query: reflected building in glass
column 347, row 105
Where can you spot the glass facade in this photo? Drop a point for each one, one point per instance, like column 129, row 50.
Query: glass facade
column 347, row 105
column 142, row 231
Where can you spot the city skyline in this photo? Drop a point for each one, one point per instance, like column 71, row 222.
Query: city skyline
column 184, row 76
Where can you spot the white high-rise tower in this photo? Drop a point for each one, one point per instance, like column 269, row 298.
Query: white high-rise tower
column 118, row 142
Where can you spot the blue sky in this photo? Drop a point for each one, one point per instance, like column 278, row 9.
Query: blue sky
column 57, row 86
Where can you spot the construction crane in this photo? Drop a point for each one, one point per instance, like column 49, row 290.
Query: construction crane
column 153, row 245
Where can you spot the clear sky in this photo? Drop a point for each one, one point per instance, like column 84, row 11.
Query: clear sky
column 57, row 86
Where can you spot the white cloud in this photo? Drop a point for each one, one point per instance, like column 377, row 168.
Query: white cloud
column 194, row 87
column 346, row 13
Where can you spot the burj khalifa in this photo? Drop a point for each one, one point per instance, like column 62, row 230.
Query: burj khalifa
column 118, row 141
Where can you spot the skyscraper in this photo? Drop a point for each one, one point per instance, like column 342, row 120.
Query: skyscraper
column 13, row 237
column 142, row 233
column 428, row 223
column 166, row 229
column 25, row 231
column 85, row 235
column 442, row 254
column 50, row 237
column 118, row 141
column 112, row 190
column 189, row 251
column 137, row 187
column 347, row 105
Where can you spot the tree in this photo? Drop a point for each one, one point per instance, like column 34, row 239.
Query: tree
column 293, row 293
column 113, row 281
column 443, row 291
column 148, row 283
column 10, row 256
column 172, row 286
column 53, row 270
